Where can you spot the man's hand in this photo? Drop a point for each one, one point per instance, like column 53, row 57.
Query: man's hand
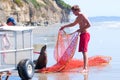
column 79, row 30
column 62, row 27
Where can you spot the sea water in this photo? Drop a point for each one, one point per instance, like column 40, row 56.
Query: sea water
column 105, row 40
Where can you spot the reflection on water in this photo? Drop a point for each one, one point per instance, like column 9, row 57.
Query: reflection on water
column 85, row 76
column 42, row 77
column 63, row 76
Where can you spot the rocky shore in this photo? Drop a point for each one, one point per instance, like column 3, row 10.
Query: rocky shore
column 34, row 12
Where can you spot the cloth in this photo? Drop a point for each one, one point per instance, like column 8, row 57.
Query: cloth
column 83, row 44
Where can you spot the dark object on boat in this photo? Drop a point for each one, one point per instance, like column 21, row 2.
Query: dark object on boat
column 25, row 69
column 41, row 62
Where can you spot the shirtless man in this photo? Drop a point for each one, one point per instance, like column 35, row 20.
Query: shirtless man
column 84, row 36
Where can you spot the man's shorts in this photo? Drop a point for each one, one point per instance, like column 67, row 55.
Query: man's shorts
column 83, row 44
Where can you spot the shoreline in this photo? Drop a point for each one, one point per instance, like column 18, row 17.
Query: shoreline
column 51, row 28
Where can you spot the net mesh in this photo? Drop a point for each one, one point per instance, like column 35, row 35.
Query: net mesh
column 64, row 51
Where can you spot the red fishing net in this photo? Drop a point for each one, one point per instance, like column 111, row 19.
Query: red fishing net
column 64, row 51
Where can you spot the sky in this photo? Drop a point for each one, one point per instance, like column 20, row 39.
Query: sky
column 97, row 7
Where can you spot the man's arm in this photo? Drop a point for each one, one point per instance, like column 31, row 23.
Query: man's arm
column 70, row 25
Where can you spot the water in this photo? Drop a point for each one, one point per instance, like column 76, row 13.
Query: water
column 105, row 41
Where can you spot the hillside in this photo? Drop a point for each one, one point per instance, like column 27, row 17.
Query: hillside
column 40, row 11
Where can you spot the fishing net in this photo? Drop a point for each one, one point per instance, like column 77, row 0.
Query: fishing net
column 96, row 61
column 64, row 50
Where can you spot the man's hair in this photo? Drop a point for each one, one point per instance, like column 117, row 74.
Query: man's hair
column 75, row 7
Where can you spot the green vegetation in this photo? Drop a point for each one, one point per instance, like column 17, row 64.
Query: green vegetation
column 35, row 3
column 18, row 2
column 63, row 5
column 3, row 0
column 47, row 2
column 49, row 5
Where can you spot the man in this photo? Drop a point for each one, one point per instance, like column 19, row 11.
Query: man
column 84, row 34
column 11, row 21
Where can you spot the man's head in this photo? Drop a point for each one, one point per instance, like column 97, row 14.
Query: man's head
column 43, row 49
column 11, row 21
column 75, row 9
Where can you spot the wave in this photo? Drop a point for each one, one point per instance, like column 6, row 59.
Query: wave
column 104, row 18
column 109, row 24
column 106, row 21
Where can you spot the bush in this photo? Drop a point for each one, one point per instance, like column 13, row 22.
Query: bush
column 18, row 2
column 35, row 3
column 63, row 5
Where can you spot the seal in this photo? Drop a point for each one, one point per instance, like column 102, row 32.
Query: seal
column 42, row 59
